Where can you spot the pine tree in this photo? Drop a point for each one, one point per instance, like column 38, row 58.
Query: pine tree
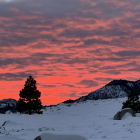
column 21, row 106
column 29, row 101
column 132, row 102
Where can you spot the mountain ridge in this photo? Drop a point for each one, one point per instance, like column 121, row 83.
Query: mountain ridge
column 117, row 88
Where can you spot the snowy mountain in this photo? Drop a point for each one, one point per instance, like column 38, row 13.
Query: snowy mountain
column 114, row 89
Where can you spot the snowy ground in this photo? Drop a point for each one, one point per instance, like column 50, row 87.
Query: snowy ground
column 91, row 119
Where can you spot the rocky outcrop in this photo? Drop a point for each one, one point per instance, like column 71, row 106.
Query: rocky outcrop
column 38, row 138
column 121, row 113
column 117, row 116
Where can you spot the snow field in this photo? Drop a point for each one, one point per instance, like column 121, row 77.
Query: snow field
column 91, row 119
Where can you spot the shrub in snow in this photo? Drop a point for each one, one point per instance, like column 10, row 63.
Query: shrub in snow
column 8, row 112
column 132, row 102
column 45, row 129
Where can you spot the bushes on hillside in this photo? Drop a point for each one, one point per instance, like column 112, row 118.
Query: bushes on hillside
column 132, row 102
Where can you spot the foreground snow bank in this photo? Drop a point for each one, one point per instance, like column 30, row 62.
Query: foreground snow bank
column 9, row 138
column 49, row 136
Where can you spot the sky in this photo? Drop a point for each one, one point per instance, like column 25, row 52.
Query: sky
column 70, row 47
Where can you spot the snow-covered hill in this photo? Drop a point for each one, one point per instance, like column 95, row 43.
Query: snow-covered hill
column 92, row 119
column 8, row 104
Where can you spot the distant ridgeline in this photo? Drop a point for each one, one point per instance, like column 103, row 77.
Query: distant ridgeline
column 8, row 104
column 114, row 89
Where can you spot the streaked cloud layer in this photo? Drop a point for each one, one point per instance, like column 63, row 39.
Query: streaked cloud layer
column 69, row 47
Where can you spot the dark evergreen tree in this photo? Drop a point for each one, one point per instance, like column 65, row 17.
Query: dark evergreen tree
column 132, row 102
column 29, row 101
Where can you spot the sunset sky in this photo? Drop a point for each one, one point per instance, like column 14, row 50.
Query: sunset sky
column 70, row 47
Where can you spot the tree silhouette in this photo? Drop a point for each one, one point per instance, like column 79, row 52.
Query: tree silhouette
column 132, row 102
column 29, row 101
